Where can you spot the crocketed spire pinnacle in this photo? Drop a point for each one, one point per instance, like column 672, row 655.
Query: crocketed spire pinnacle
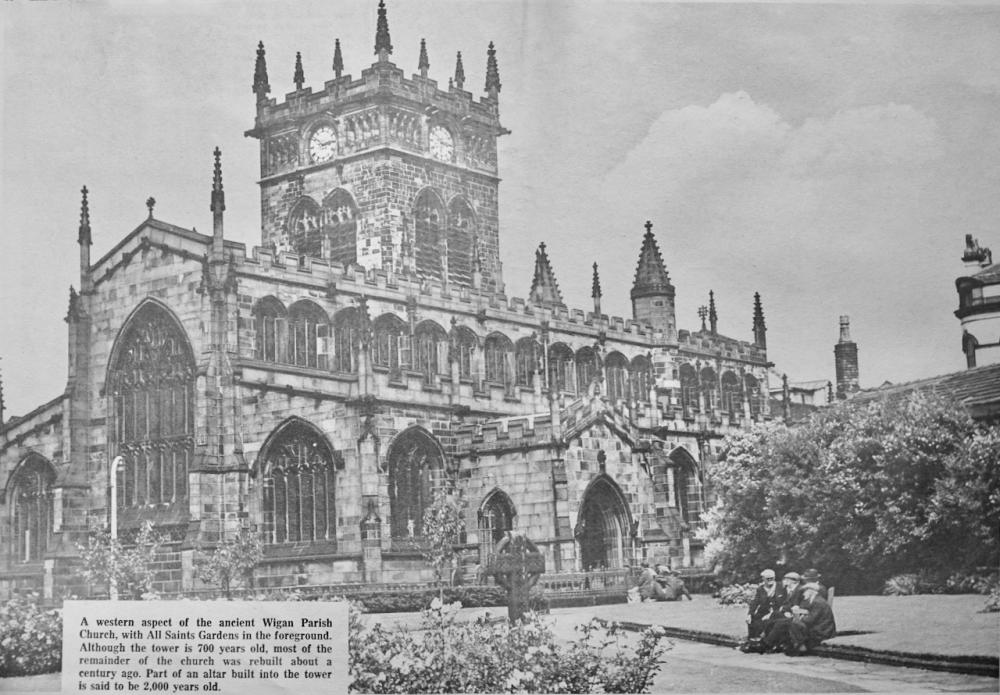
column 424, row 63
column 492, row 73
column 650, row 276
column 459, row 72
column 338, row 59
column 713, row 317
column 260, row 84
column 544, row 288
column 595, row 287
column 383, row 45
column 759, row 329
column 299, row 78
column 218, row 195
column 83, row 238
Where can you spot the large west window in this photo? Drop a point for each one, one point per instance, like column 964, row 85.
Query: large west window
column 151, row 387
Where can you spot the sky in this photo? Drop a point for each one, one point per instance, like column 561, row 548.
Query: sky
column 830, row 157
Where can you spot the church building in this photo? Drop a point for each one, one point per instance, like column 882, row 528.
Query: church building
column 322, row 387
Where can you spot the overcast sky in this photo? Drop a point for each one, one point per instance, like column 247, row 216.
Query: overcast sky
column 831, row 157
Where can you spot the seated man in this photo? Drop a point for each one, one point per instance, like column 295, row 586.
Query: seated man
column 812, row 624
column 673, row 587
column 649, row 588
column 765, row 605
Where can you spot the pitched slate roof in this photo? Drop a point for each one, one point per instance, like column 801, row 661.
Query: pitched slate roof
column 978, row 389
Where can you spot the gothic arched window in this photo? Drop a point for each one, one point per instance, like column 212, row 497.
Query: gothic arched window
column 346, row 340
column 562, row 369
column 527, row 361
column 391, row 346
column 305, row 235
column 415, row 465
column 640, row 378
column 754, row 394
column 151, row 385
column 429, row 237
column 687, row 487
column 430, row 350
column 689, row 388
column 461, row 232
column 298, row 485
column 496, row 352
column 30, row 491
column 464, row 343
column 307, row 324
column 496, row 518
column 617, row 369
column 340, row 227
column 710, row 387
column 588, row 367
column 270, row 320
column 732, row 402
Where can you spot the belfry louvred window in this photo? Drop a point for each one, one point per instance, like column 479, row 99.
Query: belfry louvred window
column 298, row 486
column 429, row 235
column 151, row 387
column 32, row 512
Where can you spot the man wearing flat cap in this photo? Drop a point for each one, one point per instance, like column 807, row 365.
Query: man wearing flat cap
column 765, row 605
column 809, row 628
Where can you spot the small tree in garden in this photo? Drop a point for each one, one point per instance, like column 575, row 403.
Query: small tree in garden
column 443, row 524
column 129, row 569
column 232, row 562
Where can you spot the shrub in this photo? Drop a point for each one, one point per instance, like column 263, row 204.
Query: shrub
column 30, row 638
column 485, row 656
column 902, row 585
column 972, row 582
column 412, row 601
column 737, row 594
column 993, row 601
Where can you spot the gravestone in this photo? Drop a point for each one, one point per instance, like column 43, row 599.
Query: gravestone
column 516, row 565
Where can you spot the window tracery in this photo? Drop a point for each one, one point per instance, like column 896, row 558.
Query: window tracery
column 618, row 377
column 527, row 361
column 562, row 369
column 32, row 508
column 429, row 239
column 416, row 467
column 340, row 227
column 461, row 233
column 496, row 351
column 641, row 378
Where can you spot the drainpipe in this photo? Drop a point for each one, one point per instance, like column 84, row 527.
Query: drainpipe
column 116, row 463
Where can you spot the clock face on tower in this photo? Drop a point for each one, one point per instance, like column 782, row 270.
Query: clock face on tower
column 323, row 144
column 442, row 144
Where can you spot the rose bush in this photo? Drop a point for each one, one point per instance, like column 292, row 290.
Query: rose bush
column 496, row 656
column 30, row 638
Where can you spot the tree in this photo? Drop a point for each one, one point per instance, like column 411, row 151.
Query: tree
column 862, row 490
column 443, row 525
column 127, row 571
column 232, row 562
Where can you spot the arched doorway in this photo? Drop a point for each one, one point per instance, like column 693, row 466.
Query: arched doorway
column 604, row 526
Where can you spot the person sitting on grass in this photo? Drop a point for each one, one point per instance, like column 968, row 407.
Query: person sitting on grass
column 765, row 605
column 811, row 622
column 673, row 586
column 649, row 588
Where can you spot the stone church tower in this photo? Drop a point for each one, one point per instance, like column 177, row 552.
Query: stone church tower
column 323, row 388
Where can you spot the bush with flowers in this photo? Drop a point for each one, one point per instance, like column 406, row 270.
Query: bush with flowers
column 30, row 638
column 491, row 656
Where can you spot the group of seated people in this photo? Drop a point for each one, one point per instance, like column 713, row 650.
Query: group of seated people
column 661, row 584
column 792, row 617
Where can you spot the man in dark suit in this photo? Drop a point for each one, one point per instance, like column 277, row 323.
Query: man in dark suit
column 812, row 623
column 765, row 604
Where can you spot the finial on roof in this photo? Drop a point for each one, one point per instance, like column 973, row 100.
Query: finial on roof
column 260, row 84
column 338, row 59
column 595, row 291
column 759, row 329
column 713, row 317
column 651, row 276
column 492, row 73
column 424, row 63
column 702, row 313
column 150, row 204
column 218, row 195
column 544, row 288
column 383, row 45
column 459, row 72
column 84, row 233
column 299, row 78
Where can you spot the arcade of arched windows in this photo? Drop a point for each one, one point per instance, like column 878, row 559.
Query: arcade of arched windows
column 298, row 490
column 31, row 505
column 705, row 389
column 328, row 231
column 304, row 336
column 150, row 384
